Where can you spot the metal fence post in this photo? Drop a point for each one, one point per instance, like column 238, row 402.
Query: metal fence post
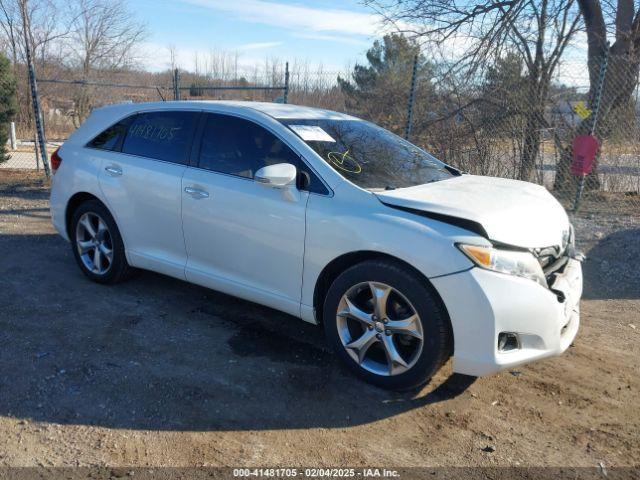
column 36, row 146
column 598, row 99
column 12, row 137
column 176, row 84
column 412, row 98
column 285, row 98
column 35, row 99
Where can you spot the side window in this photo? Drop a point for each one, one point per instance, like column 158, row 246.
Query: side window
column 112, row 137
column 161, row 135
column 240, row 147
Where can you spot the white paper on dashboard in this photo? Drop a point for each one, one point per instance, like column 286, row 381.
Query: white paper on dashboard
column 311, row 133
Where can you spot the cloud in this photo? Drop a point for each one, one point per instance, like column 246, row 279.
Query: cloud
column 257, row 46
column 333, row 38
column 155, row 57
column 297, row 17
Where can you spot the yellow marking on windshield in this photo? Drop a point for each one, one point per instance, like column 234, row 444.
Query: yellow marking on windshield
column 340, row 159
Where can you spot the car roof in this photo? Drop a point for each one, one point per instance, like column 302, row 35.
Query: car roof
column 276, row 110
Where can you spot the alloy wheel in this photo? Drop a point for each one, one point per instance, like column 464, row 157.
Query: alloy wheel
column 94, row 243
column 379, row 328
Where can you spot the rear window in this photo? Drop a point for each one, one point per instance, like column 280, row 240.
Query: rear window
column 161, row 135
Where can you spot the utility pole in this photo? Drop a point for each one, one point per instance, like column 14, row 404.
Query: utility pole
column 35, row 99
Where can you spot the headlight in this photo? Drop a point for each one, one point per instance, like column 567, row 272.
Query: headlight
column 521, row 264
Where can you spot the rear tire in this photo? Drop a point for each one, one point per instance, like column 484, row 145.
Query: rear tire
column 403, row 349
column 97, row 245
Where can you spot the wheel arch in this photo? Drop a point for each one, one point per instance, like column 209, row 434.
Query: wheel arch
column 347, row 260
column 74, row 202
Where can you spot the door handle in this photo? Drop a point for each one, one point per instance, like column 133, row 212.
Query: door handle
column 196, row 192
column 113, row 171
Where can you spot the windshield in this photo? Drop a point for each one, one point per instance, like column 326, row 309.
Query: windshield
column 368, row 155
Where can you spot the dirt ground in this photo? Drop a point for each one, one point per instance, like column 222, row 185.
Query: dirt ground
column 157, row 372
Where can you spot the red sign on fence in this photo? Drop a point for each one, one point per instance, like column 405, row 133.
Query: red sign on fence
column 585, row 148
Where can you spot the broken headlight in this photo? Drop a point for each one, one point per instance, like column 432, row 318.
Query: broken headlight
column 512, row 262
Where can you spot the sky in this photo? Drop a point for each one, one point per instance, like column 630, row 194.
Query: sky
column 328, row 32
column 332, row 34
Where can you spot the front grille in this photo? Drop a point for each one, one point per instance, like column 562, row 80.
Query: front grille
column 547, row 257
column 553, row 259
column 555, row 268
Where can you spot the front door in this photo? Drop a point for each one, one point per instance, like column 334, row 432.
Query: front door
column 243, row 238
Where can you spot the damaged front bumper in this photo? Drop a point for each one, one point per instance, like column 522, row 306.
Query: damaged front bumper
column 483, row 305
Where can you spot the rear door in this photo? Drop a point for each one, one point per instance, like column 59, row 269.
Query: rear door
column 243, row 238
column 142, row 186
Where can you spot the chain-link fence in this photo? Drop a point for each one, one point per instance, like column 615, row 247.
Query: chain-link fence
column 501, row 124
column 505, row 124
column 65, row 101
column 510, row 126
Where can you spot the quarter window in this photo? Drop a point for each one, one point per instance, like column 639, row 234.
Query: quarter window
column 240, row 147
column 161, row 135
column 112, row 137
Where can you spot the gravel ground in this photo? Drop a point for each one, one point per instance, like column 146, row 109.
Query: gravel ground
column 157, row 372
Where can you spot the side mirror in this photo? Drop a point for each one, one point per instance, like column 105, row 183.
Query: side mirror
column 277, row 176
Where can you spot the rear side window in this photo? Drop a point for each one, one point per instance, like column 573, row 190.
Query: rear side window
column 161, row 135
column 112, row 137
column 240, row 147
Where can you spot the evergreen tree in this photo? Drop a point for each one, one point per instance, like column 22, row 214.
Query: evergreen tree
column 8, row 106
column 379, row 91
column 504, row 94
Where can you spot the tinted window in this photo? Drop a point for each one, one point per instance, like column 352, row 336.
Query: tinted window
column 368, row 155
column 240, row 147
column 110, row 139
column 161, row 135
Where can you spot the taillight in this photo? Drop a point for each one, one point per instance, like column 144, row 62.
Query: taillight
column 56, row 160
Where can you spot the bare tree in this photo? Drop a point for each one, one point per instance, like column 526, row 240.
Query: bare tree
column 11, row 27
column 46, row 28
column 45, row 31
column 173, row 62
column 103, row 36
column 540, row 30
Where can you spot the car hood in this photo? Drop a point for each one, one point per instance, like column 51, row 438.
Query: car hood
column 512, row 212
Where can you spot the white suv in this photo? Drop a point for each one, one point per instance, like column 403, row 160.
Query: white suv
column 403, row 259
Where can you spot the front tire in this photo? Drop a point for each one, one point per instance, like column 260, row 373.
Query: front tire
column 387, row 325
column 97, row 245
